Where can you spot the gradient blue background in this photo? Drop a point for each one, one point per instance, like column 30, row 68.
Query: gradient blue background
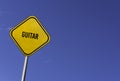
column 84, row 46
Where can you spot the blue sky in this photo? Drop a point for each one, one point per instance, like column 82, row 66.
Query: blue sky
column 84, row 46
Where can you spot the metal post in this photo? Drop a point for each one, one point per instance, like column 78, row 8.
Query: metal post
column 24, row 68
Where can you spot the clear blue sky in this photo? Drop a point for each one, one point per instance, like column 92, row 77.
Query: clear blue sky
column 84, row 46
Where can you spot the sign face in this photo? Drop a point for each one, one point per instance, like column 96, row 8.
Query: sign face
column 30, row 35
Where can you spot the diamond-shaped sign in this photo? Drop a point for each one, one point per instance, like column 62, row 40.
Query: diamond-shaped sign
column 30, row 35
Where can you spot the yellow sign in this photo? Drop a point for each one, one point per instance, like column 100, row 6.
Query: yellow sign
column 30, row 35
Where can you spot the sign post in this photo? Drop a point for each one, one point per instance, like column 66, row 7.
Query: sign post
column 24, row 68
column 29, row 36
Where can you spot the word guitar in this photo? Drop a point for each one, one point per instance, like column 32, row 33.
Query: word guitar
column 30, row 35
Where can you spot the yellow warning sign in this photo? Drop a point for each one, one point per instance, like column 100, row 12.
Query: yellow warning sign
column 30, row 35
